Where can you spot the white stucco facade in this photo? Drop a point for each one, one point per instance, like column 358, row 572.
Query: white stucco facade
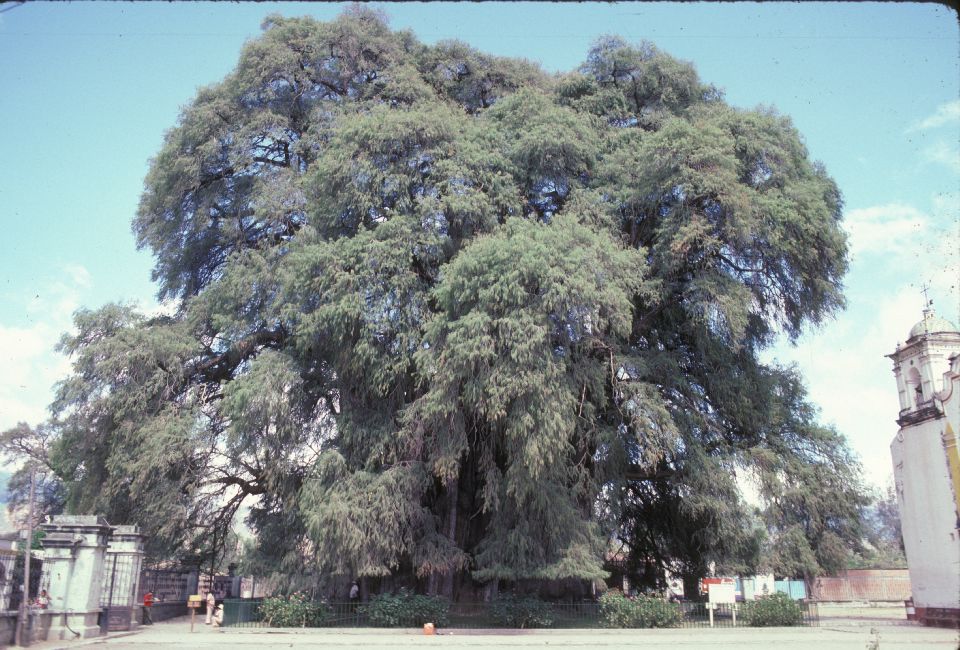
column 926, row 463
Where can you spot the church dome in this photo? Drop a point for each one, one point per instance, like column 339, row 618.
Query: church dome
column 933, row 324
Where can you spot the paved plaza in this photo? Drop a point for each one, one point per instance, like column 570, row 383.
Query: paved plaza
column 850, row 634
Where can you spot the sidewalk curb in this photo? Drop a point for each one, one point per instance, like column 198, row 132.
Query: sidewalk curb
column 92, row 640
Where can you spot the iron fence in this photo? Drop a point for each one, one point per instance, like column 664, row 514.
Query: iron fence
column 167, row 585
column 727, row 615
column 582, row 615
column 14, row 581
column 242, row 613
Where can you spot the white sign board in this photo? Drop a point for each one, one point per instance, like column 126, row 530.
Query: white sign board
column 722, row 593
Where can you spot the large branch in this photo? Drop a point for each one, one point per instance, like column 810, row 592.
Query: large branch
column 221, row 366
column 638, row 473
column 247, row 487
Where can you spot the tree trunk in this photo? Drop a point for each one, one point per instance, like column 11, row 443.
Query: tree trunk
column 691, row 587
column 490, row 590
column 807, row 586
column 453, row 493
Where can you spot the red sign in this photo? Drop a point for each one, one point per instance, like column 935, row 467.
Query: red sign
column 704, row 582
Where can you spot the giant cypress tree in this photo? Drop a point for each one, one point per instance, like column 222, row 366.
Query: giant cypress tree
column 441, row 316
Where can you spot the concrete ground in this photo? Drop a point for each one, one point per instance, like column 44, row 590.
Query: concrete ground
column 836, row 635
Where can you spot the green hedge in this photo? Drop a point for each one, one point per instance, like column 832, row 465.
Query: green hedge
column 643, row 611
column 509, row 610
column 772, row 611
column 406, row 610
column 294, row 610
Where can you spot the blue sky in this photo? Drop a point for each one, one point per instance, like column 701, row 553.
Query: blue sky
column 88, row 90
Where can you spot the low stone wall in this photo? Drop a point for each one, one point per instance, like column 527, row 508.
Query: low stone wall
column 865, row 585
column 8, row 628
column 164, row 611
column 39, row 627
column 948, row 617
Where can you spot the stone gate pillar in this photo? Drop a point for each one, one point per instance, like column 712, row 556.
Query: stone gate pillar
column 74, row 549
column 193, row 582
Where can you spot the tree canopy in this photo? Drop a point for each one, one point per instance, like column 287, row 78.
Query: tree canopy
column 439, row 315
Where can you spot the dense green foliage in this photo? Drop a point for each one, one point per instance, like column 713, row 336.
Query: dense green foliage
column 406, row 610
column 775, row 610
column 815, row 517
column 295, row 610
column 522, row 612
column 883, row 535
column 437, row 316
column 617, row 611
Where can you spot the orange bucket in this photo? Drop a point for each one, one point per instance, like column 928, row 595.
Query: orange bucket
column 428, row 629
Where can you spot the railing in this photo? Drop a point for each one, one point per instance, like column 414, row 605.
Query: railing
column 15, row 579
column 698, row 615
column 167, row 585
column 242, row 613
column 246, row 613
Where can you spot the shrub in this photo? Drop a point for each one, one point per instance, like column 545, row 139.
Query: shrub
column 774, row 610
column 615, row 610
column 509, row 610
column 295, row 610
column 406, row 610
column 643, row 611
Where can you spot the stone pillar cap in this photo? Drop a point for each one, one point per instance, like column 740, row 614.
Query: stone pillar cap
column 61, row 540
column 126, row 529
column 77, row 520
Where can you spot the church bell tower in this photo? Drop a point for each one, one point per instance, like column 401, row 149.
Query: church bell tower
column 926, row 465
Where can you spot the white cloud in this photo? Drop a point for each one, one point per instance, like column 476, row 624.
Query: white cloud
column 896, row 243
column 850, row 379
column 945, row 114
column 30, row 364
column 896, row 249
column 883, row 228
column 31, row 367
column 943, row 153
column 79, row 274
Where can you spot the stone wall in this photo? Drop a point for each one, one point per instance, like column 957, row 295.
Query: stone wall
column 864, row 585
column 39, row 627
column 165, row 611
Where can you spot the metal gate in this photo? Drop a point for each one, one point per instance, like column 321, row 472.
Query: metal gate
column 117, row 596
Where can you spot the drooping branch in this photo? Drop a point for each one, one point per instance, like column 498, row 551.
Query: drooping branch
column 222, row 366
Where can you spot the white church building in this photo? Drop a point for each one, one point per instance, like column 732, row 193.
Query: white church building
column 926, row 465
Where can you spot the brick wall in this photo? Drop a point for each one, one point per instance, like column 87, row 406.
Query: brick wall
column 864, row 585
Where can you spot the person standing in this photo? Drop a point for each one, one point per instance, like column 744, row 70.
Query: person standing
column 147, row 604
column 211, row 605
column 354, row 596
